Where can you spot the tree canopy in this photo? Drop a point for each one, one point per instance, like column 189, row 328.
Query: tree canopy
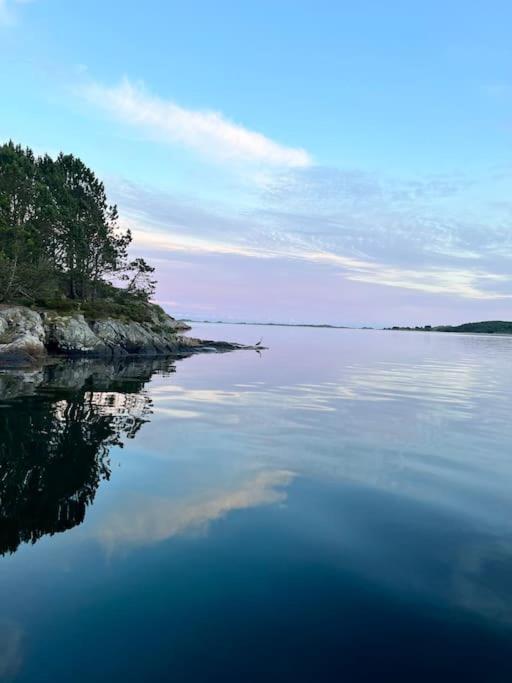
column 59, row 237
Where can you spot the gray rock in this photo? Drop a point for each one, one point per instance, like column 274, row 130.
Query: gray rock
column 71, row 334
column 180, row 325
column 132, row 337
column 22, row 336
column 26, row 336
column 161, row 320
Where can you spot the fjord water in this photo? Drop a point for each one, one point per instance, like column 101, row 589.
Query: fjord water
column 335, row 508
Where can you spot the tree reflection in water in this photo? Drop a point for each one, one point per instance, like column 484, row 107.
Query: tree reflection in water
column 57, row 427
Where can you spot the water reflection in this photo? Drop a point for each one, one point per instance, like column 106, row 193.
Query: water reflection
column 56, row 433
column 144, row 519
column 397, row 422
column 434, row 428
column 11, row 637
column 351, row 501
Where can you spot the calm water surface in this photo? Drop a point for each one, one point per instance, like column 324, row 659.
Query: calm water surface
column 337, row 508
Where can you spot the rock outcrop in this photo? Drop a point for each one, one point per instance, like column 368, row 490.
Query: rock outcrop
column 27, row 336
column 22, row 336
column 71, row 334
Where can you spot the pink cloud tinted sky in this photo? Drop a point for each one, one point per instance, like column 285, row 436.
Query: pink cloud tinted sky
column 290, row 161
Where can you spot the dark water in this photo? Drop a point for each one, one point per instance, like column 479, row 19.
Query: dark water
column 336, row 509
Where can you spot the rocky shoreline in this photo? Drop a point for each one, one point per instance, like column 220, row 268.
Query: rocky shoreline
column 29, row 337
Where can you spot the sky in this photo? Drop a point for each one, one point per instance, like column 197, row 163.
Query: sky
column 324, row 162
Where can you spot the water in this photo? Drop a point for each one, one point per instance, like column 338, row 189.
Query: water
column 336, row 508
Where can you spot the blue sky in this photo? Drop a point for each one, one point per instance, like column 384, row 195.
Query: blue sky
column 297, row 161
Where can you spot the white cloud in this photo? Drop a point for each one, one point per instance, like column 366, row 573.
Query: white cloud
column 442, row 234
column 206, row 132
column 183, row 236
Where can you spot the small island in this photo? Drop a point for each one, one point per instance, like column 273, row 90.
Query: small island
column 68, row 283
column 484, row 327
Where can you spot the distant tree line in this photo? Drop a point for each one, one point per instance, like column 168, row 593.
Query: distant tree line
column 59, row 236
column 482, row 327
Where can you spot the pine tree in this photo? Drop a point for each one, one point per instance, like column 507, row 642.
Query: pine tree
column 59, row 234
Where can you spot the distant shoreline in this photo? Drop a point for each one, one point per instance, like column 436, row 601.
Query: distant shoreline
column 490, row 327
column 497, row 327
column 237, row 322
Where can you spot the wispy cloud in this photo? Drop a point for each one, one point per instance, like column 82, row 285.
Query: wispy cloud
column 466, row 283
column 440, row 234
column 363, row 235
column 206, row 132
